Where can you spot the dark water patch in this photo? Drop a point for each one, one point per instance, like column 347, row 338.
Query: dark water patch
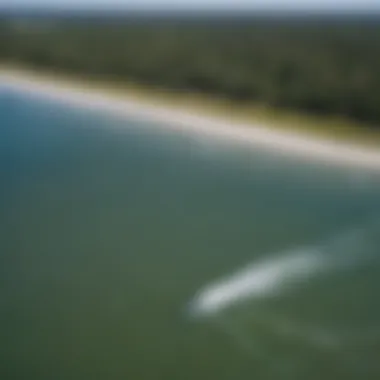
column 108, row 228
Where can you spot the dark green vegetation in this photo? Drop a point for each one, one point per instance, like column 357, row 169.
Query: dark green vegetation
column 326, row 66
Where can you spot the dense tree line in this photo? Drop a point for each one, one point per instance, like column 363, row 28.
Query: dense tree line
column 324, row 66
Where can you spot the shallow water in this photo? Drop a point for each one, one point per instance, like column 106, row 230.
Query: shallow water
column 111, row 228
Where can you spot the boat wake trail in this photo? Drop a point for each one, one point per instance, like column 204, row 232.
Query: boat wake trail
column 286, row 270
column 353, row 348
column 258, row 280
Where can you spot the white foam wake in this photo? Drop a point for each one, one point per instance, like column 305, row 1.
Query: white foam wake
column 259, row 280
column 277, row 274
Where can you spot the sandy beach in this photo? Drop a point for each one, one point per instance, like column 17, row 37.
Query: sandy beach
column 256, row 135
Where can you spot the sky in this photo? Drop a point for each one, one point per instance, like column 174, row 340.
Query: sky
column 346, row 5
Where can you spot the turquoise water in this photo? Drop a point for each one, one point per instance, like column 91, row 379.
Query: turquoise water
column 110, row 227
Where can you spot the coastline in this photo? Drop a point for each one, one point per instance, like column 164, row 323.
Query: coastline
column 260, row 134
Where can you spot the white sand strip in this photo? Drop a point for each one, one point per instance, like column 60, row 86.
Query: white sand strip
column 329, row 151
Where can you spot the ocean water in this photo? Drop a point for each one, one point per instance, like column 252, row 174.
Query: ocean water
column 128, row 252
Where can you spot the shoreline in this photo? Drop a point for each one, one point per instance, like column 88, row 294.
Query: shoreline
column 294, row 144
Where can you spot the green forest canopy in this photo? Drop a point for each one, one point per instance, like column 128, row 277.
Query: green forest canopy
column 319, row 65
